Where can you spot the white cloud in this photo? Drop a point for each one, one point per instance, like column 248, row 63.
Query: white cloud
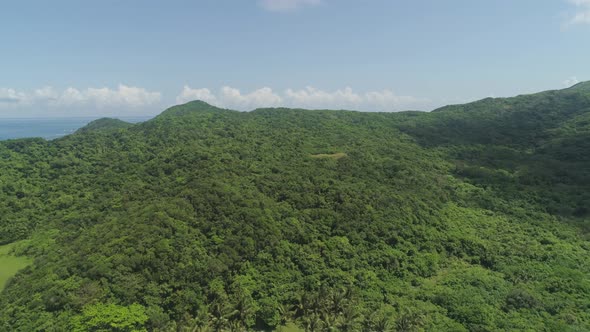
column 72, row 96
column 582, row 14
column 385, row 100
column 570, row 81
column 309, row 97
column 313, row 98
column 286, row 5
column 231, row 97
column 46, row 93
column 581, row 17
column 11, row 96
column 128, row 96
column 264, row 97
column 189, row 94
column 123, row 96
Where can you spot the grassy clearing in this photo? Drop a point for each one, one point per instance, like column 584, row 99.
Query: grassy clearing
column 9, row 264
column 330, row 156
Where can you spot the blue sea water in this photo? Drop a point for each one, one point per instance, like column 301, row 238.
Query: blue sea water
column 47, row 128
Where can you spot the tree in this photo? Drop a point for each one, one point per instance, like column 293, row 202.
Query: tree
column 111, row 317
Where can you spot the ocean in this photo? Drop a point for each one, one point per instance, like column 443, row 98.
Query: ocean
column 48, row 128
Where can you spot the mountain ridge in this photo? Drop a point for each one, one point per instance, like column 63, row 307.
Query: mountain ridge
column 202, row 106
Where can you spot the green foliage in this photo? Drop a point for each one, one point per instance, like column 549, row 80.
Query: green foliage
column 471, row 218
column 110, row 317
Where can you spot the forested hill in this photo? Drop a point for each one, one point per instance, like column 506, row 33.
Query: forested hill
column 474, row 217
column 104, row 124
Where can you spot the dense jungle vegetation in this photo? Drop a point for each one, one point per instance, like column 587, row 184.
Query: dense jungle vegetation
column 472, row 217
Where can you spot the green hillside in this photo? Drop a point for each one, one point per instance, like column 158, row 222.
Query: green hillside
column 473, row 217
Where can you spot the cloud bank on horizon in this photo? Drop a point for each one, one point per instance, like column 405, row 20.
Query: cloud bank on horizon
column 50, row 99
column 131, row 100
column 309, row 97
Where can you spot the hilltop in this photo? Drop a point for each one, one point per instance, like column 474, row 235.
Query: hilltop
column 104, row 124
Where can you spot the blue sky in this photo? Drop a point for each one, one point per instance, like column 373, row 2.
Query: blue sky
column 132, row 57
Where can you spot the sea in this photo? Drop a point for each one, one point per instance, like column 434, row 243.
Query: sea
column 48, row 128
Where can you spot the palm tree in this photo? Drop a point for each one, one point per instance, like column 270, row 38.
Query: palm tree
column 409, row 321
column 313, row 323
column 350, row 318
column 202, row 323
column 286, row 313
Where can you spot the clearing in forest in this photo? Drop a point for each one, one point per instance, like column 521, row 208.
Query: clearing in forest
column 331, row 156
column 10, row 264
